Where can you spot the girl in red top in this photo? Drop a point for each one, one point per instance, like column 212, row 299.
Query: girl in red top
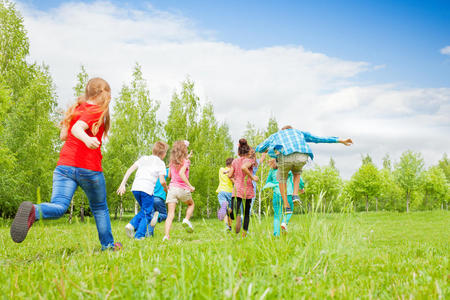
column 242, row 172
column 79, row 164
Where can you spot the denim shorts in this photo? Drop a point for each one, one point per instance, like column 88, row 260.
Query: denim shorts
column 224, row 196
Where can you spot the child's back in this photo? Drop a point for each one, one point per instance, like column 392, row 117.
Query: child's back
column 242, row 183
column 225, row 184
column 150, row 167
column 176, row 180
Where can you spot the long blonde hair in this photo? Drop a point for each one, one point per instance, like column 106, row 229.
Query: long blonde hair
column 178, row 153
column 99, row 90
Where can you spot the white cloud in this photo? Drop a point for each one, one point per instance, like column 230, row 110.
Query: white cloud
column 445, row 50
column 312, row 91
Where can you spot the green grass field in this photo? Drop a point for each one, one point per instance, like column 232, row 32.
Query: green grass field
column 375, row 255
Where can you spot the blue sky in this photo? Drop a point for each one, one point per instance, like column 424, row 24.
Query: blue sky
column 403, row 36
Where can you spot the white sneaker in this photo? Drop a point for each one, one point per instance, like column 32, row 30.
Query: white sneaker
column 129, row 230
column 284, row 227
column 154, row 220
column 165, row 238
column 188, row 226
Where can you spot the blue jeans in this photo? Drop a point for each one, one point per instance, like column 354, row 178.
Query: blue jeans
column 66, row 179
column 146, row 203
column 278, row 212
column 224, row 196
column 159, row 205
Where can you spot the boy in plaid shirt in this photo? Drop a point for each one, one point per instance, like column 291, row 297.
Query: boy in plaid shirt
column 289, row 147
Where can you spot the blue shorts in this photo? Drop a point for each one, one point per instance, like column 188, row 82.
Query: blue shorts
column 224, row 196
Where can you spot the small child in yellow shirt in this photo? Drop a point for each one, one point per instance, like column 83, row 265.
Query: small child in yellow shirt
column 224, row 191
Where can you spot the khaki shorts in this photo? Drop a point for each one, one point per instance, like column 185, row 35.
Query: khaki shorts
column 293, row 162
column 176, row 194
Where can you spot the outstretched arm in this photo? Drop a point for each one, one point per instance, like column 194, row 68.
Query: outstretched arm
column 329, row 139
column 317, row 139
column 264, row 146
column 121, row 190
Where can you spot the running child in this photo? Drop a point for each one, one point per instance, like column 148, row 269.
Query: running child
column 179, row 188
column 224, row 192
column 149, row 170
column 158, row 214
column 80, row 164
column 289, row 147
column 271, row 182
column 242, row 172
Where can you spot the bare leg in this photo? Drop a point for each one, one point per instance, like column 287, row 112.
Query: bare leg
column 283, row 191
column 170, row 215
column 229, row 221
column 238, row 223
column 296, row 183
column 190, row 209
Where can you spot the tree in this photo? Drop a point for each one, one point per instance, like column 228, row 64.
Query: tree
column 82, row 80
column 407, row 173
column 272, row 127
column 444, row 164
column 134, row 129
column 210, row 142
column 390, row 191
column 332, row 163
column 322, row 183
column 253, row 135
column 434, row 187
column 211, row 148
column 28, row 116
column 366, row 159
column 366, row 183
column 183, row 116
column 387, row 165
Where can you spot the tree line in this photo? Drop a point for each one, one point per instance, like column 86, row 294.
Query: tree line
column 29, row 145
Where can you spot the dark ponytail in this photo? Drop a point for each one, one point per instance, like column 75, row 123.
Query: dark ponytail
column 244, row 148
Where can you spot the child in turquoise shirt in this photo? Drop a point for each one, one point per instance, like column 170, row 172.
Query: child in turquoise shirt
column 272, row 182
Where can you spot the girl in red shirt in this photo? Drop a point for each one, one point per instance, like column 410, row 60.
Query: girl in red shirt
column 79, row 164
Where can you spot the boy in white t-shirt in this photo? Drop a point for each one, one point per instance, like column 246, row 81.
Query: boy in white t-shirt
column 149, row 169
